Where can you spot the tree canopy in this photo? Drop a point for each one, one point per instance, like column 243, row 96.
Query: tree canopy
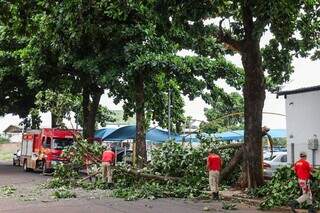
column 225, row 114
column 226, row 27
column 131, row 48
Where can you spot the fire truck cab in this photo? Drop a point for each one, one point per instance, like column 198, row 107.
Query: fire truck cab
column 42, row 149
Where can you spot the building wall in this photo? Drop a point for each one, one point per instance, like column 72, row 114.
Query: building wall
column 303, row 122
column 14, row 137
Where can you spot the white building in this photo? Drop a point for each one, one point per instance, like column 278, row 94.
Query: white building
column 13, row 133
column 303, row 123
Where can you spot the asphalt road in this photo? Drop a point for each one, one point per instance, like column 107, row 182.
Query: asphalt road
column 14, row 175
column 26, row 182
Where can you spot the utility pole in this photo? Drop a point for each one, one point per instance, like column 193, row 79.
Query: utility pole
column 169, row 113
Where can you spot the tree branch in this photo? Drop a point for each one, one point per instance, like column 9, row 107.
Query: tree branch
column 230, row 43
column 231, row 146
column 247, row 19
column 237, row 158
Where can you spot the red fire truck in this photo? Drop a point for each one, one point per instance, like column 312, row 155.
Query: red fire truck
column 42, row 149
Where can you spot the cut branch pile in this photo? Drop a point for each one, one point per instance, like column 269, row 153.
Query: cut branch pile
column 175, row 168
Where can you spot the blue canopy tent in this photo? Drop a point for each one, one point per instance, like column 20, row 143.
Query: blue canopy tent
column 239, row 134
column 102, row 133
column 233, row 135
column 129, row 133
column 230, row 135
column 158, row 135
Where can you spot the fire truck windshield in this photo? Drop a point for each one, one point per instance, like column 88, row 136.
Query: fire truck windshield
column 61, row 143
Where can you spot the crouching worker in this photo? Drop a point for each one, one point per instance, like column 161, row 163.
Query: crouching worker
column 214, row 163
column 108, row 158
column 303, row 172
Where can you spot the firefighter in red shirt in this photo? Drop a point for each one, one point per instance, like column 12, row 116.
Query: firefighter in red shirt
column 108, row 158
column 214, row 163
column 303, row 171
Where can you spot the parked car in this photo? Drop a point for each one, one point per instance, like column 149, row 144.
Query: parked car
column 16, row 158
column 124, row 156
column 272, row 163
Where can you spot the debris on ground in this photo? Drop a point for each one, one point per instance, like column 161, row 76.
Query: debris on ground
column 176, row 170
column 7, row 190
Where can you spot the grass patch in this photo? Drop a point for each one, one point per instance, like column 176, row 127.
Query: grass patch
column 4, row 140
column 5, row 155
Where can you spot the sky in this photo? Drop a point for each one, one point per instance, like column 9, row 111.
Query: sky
column 306, row 73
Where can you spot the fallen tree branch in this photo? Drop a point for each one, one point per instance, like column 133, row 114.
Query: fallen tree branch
column 151, row 176
column 89, row 176
column 231, row 146
column 237, row 158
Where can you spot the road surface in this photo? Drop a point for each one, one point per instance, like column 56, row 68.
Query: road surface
column 28, row 198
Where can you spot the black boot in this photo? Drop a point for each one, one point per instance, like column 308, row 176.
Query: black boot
column 312, row 209
column 110, row 185
column 293, row 205
column 215, row 195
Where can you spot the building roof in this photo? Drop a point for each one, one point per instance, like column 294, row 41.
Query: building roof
column 13, row 129
column 300, row 90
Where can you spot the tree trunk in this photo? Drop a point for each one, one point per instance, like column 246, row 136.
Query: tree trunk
column 85, row 111
column 90, row 109
column 54, row 119
column 92, row 114
column 35, row 121
column 141, row 149
column 254, row 96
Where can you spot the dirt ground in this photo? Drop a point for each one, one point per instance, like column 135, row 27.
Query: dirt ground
column 27, row 195
column 7, row 150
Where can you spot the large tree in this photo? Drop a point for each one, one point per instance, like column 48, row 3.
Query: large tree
column 152, row 68
column 15, row 95
column 221, row 27
column 123, row 46
column 74, row 47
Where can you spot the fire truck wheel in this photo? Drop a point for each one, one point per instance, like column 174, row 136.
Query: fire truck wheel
column 25, row 168
column 44, row 168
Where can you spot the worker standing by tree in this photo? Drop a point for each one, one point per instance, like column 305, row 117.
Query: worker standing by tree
column 214, row 163
column 303, row 171
column 108, row 158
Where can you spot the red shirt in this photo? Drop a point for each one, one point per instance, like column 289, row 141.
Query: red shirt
column 302, row 169
column 108, row 156
column 214, row 162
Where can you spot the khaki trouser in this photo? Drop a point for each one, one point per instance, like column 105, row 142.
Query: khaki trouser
column 107, row 171
column 306, row 192
column 214, row 181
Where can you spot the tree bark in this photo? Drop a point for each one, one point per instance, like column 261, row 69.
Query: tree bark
column 94, row 105
column 53, row 121
column 141, row 149
column 90, row 109
column 85, row 111
column 254, row 96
